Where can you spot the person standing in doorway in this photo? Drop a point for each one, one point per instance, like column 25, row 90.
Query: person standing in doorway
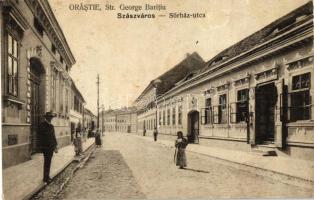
column 155, row 134
column 47, row 143
column 179, row 155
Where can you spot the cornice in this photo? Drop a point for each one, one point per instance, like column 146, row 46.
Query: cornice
column 14, row 12
column 298, row 34
column 44, row 14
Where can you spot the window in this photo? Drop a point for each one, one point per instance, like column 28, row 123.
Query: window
column 180, row 115
column 13, row 61
column 160, row 118
column 222, row 110
column 174, row 116
column 66, row 101
column 61, row 59
column 38, row 27
column 300, row 98
column 53, row 90
column 207, row 117
column 168, row 117
column 239, row 109
column 53, row 49
column 61, row 97
column 164, row 117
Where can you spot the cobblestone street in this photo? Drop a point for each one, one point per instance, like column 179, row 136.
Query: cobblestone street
column 106, row 176
column 131, row 167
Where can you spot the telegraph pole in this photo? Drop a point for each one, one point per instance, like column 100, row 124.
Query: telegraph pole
column 98, row 100
column 102, row 119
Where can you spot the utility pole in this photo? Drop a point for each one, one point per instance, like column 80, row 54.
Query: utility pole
column 102, row 119
column 98, row 100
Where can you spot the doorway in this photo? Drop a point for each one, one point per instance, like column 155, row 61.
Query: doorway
column 265, row 105
column 36, row 72
column 193, row 127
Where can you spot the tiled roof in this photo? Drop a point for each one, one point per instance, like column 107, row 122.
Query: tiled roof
column 168, row 80
column 277, row 27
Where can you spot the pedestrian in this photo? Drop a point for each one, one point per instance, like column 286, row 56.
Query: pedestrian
column 179, row 156
column 97, row 138
column 78, row 140
column 144, row 132
column 155, row 134
column 47, row 143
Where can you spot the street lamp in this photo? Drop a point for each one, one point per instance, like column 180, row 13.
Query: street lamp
column 156, row 82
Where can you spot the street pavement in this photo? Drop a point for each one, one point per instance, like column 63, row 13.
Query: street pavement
column 148, row 169
column 106, row 176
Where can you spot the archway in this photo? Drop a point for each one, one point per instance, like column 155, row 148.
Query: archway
column 193, row 126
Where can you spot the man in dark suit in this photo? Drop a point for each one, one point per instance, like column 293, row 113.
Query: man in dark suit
column 47, row 143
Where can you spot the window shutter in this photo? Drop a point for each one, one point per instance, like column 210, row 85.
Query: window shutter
column 233, row 112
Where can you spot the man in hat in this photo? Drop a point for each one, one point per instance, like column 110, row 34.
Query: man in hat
column 47, row 143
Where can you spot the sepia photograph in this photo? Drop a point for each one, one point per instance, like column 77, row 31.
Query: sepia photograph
column 157, row 99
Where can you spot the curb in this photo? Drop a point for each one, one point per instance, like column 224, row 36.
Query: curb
column 75, row 169
column 42, row 185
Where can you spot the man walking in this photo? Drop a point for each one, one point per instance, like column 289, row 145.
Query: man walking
column 155, row 134
column 47, row 143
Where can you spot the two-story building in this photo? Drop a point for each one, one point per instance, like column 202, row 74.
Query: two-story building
column 35, row 64
column 120, row 120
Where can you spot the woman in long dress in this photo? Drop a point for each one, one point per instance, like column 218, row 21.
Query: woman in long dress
column 97, row 138
column 180, row 145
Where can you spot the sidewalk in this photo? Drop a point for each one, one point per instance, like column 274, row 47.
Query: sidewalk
column 21, row 180
column 290, row 167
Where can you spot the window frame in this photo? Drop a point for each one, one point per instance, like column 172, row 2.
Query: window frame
column 207, row 115
column 174, row 112
column 180, row 110
column 236, row 108
column 168, row 117
column 15, row 82
column 300, row 90
column 220, row 109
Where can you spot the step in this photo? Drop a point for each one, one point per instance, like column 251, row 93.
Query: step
column 264, row 150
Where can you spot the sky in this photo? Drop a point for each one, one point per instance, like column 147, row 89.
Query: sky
column 129, row 53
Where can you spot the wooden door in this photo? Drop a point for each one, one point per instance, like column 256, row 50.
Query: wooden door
column 34, row 106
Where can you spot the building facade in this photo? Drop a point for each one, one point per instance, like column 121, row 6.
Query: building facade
column 256, row 93
column 120, row 120
column 77, row 109
column 146, row 102
column 89, row 119
column 36, row 61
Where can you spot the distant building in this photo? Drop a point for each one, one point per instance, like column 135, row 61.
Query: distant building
column 120, row 120
column 35, row 65
column 89, row 119
column 146, row 102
